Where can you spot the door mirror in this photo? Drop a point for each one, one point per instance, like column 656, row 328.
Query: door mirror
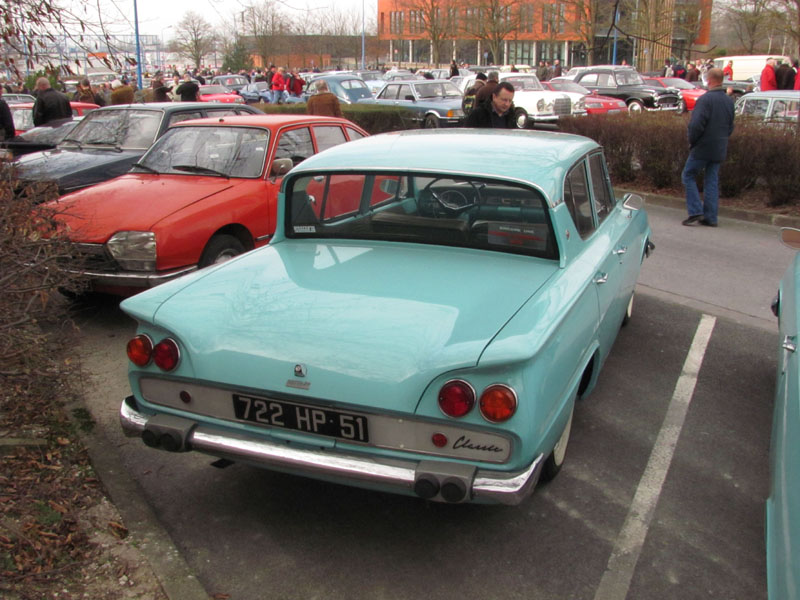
column 633, row 202
column 790, row 237
column 281, row 166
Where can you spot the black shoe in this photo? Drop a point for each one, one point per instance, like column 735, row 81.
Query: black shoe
column 707, row 223
column 693, row 219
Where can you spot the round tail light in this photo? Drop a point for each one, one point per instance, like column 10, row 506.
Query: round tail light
column 140, row 350
column 166, row 354
column 498, row 403
column 456, row 398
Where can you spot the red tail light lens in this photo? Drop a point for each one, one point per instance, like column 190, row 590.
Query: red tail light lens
column 166, row 354
column 456, row 398
column 140, row 350
column 498, row 403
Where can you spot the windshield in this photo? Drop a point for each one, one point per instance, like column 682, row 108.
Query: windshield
column 525, row 83
column 125, row 128
column 49, row 134
column 629, row 77
column 431, row 209
column 569, row 86
column 231, row 80
column 442, row 89
column 355, row 89
column 214, row 89
column 228, row 151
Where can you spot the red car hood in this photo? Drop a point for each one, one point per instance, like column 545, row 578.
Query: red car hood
column 134, row 202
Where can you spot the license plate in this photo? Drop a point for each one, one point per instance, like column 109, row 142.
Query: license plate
column 298, row 417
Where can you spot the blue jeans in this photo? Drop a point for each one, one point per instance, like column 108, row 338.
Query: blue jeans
column 708, row 207
column 278, row 96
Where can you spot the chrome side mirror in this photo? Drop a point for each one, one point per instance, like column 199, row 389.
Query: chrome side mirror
column 632, row 201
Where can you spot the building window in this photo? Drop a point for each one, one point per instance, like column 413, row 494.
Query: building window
column 452, row 17
column 526, row 18
column 396, row 22
column 415, row 21
column 553, row 18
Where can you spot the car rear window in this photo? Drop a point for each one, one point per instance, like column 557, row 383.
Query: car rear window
column 448, row 210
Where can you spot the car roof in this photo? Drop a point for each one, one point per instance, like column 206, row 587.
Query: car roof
column 165, row 106
column 263, row 120
column 463, row 151
column 793, row 94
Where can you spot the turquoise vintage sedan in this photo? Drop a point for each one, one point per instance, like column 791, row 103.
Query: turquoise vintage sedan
column 783, row 504
column 432, row 305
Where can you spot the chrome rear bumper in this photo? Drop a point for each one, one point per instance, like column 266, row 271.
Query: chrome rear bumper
column 435, row 480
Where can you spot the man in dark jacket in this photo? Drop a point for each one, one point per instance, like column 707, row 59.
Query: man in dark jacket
column 6, row 121
column 709, row 129
column 497, row 112
column 188, row 89
column 50, row 104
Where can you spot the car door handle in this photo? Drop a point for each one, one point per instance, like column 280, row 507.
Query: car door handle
column 789, row 343
column 621, row 250
column 601, row 278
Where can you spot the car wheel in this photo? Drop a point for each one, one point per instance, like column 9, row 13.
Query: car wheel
column 521, row 118
column 628, row 312
column 555, row 461
column 636, row 107
column 431, row 122
column 219, row 249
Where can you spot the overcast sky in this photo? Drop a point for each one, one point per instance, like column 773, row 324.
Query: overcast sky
column 157, row 16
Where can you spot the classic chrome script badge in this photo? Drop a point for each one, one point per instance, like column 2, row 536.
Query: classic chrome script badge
column 299, row 371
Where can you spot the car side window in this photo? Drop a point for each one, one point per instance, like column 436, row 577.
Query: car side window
column 589, row 79
column 389, row 92
column 405, row 90
column 576, row 197
column 354, row 134
column 754, row 107
column 328, row 136
column 601, row 188
column 295, row 144
column 184, row 116
column 606, row 80
column 223, row 112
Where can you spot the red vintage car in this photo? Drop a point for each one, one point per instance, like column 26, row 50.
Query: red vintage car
column 23, row 113
column 595, row 104
column 218, row 93
column 206, row 191
column 689, row 91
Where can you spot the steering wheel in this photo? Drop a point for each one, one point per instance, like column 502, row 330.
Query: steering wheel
column 453, row 201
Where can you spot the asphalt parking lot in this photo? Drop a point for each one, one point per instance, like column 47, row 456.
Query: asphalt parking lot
column 662, row 494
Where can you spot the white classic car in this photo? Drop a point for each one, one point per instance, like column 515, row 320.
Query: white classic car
column 533, row 103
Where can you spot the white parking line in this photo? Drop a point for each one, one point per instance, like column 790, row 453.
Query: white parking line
column 616, row 580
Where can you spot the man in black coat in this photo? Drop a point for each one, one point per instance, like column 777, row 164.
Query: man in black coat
column 50, row 104
column 6, row 121
column 709, row 129
column 497, row 112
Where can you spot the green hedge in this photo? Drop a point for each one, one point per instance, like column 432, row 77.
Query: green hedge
column 370, row 117
column 652, row 148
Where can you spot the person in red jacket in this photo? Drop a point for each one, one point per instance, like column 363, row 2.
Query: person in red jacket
column 727, row 72
column 768, row 79
column 294, row 85
column 278, row 86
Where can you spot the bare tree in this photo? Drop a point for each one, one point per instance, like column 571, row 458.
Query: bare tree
column 748, row 19
column 35, row 32
column 791, row 20
column 266, row 26
column 194, row 37
column 588, row 18
column 435, row 18
column 492, row 21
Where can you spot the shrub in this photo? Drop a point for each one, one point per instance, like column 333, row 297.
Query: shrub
column 614, row 133
column 780, row 156
column 741, row 168
column 662, row 147
column 372, row 118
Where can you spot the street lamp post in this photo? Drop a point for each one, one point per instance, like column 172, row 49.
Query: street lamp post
column 363, row 34
column 138, row 46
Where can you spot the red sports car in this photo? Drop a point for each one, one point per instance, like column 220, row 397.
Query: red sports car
column 206, row 191
column 689, row 91
column 218, row 93
column 23, row 113
column 595, row 104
